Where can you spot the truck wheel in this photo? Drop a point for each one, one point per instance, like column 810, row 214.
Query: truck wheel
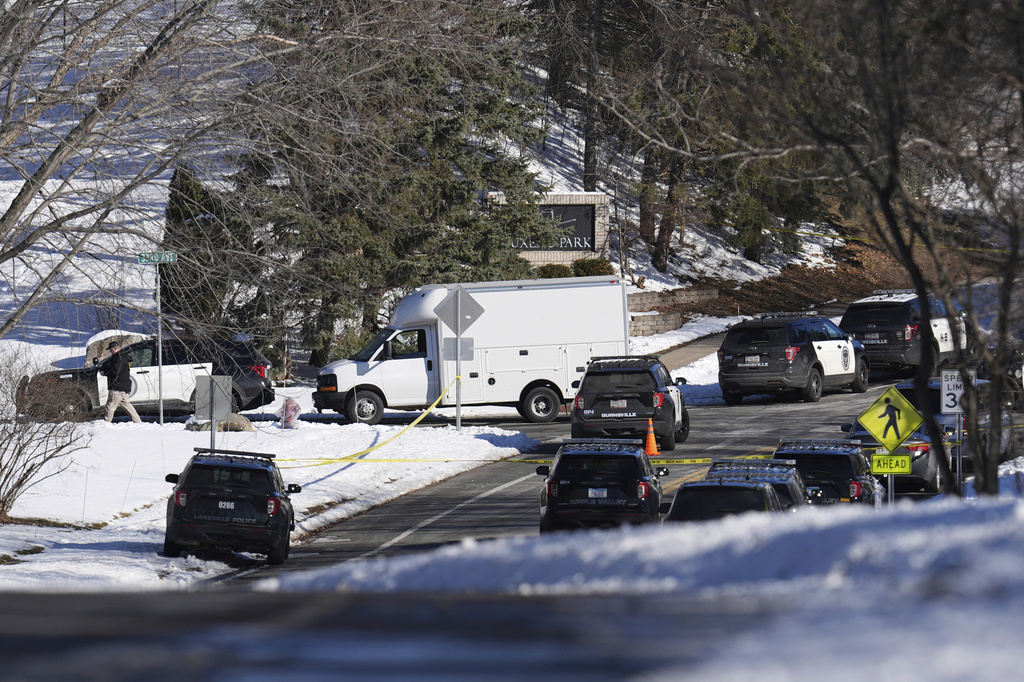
column 860, row 377
column 276, row 557
column 171, row 549
column 541, row 405
column 365, row 407
column 74, row 408
column 668, row 441
column 731, row 398
column 812, row 393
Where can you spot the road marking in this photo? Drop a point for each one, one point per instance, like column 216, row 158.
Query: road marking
column 426, row 522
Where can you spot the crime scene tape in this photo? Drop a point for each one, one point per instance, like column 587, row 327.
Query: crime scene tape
column 356, row 456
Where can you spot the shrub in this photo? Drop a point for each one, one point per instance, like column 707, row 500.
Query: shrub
column 554, row 271
column 586, row 267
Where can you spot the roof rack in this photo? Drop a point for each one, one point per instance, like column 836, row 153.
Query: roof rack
column 893, row 292
column 602, row 441
column 625, row 357
column 235, row 453
column 799, row 313
column 818, row 444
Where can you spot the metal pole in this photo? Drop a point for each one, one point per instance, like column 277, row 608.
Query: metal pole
column 159, row 349
column 892, row 494
column 960, row 451
column 458, row 359
column 213, row 423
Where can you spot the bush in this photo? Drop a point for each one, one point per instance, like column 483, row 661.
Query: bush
column 554, row 271
column 586, row 267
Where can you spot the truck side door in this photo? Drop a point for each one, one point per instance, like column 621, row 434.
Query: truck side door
column 408, row 368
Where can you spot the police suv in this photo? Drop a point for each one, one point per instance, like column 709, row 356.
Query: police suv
column 789, row 352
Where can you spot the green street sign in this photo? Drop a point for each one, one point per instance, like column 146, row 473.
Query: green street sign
column 154, row 257
column 891, row 464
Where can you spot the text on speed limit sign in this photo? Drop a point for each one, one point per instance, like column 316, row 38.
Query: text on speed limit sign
column 953, row 390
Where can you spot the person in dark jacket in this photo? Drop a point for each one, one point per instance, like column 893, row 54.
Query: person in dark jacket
column 119, row 383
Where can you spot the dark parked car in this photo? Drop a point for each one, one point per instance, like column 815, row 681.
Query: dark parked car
column 834, row 471
column 81, row 393
column 618, row 395
column 888, row 324
column 608, row 482
column 789, row 353
column 718, row 498
column 782, row 474
column 918, row 445
column 232, row 500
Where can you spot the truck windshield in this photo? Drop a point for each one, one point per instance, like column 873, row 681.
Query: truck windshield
column 367, row 352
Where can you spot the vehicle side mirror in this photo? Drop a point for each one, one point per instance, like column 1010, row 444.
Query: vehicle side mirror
column 293, row 488
column 661, row 471
column 386, row 351
column 665, row 506
column 576, row 384
column 680, row 381
column 171, row 478
column 95, row 361
column 949, row 431
column 847, row 428
column 543, row 470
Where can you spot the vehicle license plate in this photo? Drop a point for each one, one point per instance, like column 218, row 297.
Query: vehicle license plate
column 618, row 404
column 598, row 493
column 753, row 359
column 872, row 335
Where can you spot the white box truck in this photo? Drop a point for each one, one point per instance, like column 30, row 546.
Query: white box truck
column 523, row 344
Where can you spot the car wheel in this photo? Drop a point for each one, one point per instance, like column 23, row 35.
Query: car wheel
column 277, row 555
column 75, row 408
column 934, row 484
column 732, row 398
column 668, row 441
column 860, row 378
column 171, row 549
column 684, row 428
column 365, row 407
column 575, row 431
column 547, row 527
column 541, row 405
column 812, row 393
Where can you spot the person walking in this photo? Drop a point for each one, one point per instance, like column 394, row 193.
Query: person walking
column 119, row 383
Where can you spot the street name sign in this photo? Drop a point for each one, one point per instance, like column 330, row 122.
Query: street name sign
column 891, row 419
column 155, row 257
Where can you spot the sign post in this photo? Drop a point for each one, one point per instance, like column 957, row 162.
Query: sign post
column 952, row 403
column 156, row 258
column 213, row 397
column 458, row 310
column 891, row 419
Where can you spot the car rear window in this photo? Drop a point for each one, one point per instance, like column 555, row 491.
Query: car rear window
column 618, row 381
column 817, row 465
column 759, row 336
column 878, row 314
column 209, row 475
column 696, row 504
column 585, row 466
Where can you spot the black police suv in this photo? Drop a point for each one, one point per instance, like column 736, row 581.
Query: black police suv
column 834, row 471
column 888, row 324
column 786, row 352
column 81, row 393
column 782, row 474
column 231, row 500
column 607, row 482
column 721, row 497
column 618, row 395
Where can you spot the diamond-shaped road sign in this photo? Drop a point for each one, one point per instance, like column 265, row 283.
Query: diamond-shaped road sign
column 468, row 309
column 891, row 419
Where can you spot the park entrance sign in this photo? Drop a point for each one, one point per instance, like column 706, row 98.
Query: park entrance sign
column 891, row 419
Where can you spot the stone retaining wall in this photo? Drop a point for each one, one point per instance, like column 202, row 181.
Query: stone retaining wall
column 644, row 321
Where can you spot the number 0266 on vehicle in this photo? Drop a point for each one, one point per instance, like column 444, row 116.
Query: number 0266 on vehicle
column 890, row 464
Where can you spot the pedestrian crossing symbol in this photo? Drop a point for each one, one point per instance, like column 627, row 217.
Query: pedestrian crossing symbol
column 891, row 419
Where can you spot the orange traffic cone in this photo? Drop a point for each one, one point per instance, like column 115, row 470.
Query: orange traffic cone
column 651, row 448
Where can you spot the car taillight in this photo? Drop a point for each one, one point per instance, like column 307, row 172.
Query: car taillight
column 909, row 332
column 180, row 497
column 659, row 399
column 918, row 450
column 856, row 488
column 578, row 402
column 642, row 489
column 721, row 356
column 552, row 489
column 791, row 352
column 273, row 504
column 260, row 369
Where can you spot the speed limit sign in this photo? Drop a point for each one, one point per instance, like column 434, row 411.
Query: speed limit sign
column 953, row 390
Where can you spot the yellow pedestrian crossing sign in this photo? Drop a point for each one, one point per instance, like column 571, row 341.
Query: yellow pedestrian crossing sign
column 891, row 419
